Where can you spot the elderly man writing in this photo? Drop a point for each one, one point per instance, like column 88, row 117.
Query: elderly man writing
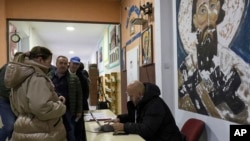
column 148, row 115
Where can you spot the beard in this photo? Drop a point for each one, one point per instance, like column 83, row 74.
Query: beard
column 206, row 48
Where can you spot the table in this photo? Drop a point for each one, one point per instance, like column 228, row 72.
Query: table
column 106, row 136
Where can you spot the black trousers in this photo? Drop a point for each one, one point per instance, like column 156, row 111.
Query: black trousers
column 80, row 132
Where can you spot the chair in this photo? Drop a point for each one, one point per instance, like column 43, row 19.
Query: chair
column 193, row 129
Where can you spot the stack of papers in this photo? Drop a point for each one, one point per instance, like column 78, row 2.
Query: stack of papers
column 97, row 115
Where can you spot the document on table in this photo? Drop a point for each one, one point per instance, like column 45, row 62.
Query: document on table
column 100, row 116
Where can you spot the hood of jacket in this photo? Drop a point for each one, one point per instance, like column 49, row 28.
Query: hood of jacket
column 151, row 91
column 17, row 72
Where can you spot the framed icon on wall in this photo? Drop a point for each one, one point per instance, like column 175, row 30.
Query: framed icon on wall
column 146, row 46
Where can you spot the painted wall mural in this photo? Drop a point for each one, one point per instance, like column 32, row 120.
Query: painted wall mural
column 213, row 40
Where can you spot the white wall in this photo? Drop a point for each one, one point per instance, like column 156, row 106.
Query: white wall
column 166, row 70
column 35, row 40
column 26, row 31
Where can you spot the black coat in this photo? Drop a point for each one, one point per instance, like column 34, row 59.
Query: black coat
column 85, row 89
column 154, row 121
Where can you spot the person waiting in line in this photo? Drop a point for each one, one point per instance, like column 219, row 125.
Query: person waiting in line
column 85, row 84
column 148, row 115
column 85, row 72
column 7, row 116
column 33, row 100
column 68, row 85
column 74, row 67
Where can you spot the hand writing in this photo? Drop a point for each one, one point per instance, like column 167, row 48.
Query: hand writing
column 118, row 126
column 112, row 120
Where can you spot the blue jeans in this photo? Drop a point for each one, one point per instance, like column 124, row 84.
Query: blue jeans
column 8, row 119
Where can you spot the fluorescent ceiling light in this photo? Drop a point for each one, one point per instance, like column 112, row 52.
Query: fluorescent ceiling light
column 70, row 28
column 71, row 52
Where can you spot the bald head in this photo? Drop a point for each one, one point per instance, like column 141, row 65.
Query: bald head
column 136, row 86
column 135, row 91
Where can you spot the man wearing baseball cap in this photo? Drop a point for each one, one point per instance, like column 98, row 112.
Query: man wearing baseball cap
column 75, row 60
column 74, row 64
column 73, row 68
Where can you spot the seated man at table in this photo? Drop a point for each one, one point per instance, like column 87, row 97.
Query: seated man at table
column 148, row 115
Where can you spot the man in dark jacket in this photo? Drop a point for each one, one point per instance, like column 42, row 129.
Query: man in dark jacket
column 68, row 85
column 148, row 115
column 74, row 68
column 80, row 72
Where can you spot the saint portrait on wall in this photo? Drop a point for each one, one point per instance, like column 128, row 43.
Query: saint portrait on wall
column 213, row 58
column 146, row 49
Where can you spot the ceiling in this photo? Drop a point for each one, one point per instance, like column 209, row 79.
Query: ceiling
column 83, row 41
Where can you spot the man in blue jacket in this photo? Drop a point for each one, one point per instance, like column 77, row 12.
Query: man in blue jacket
column 148, row 115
